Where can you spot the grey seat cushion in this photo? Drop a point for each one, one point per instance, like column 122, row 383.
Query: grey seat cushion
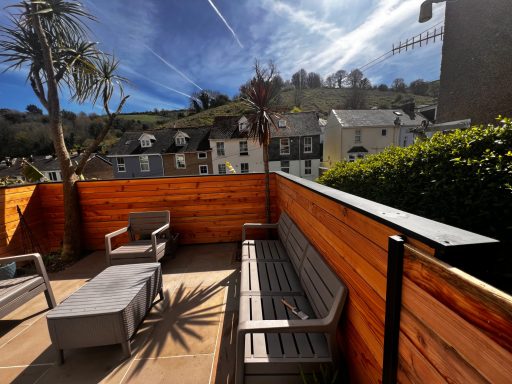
column 138, row 249
column 13, row 288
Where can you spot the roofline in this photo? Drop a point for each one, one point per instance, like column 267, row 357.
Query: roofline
column 141, row 154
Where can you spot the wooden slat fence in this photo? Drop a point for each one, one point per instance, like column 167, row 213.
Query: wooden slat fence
column 453, row 328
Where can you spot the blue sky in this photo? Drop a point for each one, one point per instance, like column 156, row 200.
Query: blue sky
column 169, row 49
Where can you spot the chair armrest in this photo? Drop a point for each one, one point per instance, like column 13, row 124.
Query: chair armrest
column 110, row 236
column 256, row 226
column 283, row 326
column 156, row 232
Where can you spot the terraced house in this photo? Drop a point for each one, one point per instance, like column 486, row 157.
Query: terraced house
column 295, row 146
column 167, row 152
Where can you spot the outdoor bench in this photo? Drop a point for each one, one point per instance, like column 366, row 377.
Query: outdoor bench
column 274, row 345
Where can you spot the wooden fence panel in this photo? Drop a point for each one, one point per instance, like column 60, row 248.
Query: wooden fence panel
column 459, row 325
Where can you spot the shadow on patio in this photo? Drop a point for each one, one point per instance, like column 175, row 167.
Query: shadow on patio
column 177, row 342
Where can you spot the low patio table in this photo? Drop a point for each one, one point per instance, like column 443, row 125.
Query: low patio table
column 107, row 310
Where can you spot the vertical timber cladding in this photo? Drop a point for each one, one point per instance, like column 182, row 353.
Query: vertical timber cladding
column 454, row 328
column 25, row 197
column 204, row 209
column 355, row 246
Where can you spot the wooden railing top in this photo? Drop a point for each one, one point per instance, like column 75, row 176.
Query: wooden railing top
column 444, row 238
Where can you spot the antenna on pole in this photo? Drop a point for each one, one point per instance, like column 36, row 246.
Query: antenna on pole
column 421, row 39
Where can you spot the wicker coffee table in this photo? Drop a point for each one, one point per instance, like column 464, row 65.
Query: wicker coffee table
column 107, row 310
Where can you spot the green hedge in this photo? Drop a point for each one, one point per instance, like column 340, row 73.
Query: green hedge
column 463, row 179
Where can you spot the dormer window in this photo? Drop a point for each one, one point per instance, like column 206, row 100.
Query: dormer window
column 181, row 141
column 243, row 124
column 281, row 123
column 146, row 140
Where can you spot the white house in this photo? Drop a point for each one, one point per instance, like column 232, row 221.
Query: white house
column 229, row 143
column 353, row 134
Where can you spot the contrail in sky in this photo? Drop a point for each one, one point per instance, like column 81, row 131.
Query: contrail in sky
column 173, row 67
column 226, row 23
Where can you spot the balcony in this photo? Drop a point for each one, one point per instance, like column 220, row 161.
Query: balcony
column 410, row 314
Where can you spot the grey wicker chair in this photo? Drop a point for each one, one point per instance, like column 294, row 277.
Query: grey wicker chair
column 17, row 291
column 149, row 234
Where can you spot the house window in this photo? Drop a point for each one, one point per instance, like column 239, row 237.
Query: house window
column 281, row 123
column 284, row 146
column 244, row 150
column 220, row 149
column 53, row 176
column 307, row 167
column 244, row 168
column 357, row 137
column 145, row 143
column 308, row 144
column 202, row 155
column 203, row 169
column 180, row 162
column 351, row 158
column 384, row 132
column 242, row 126
column 181, row 141
column 285, row 166
column 121, row 166
column 222, row 169
column 144, row 163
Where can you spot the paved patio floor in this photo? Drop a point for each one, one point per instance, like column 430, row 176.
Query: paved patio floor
column 186, row 338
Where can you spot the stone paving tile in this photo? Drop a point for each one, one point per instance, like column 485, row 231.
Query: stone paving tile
column 175, row 370
column 22, row 375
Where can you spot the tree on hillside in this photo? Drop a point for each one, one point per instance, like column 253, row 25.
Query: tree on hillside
column 34, row 109
column 354, row 78
column 365, row 83
column 398, row 85
column 383, row 87
column 340, row 77
column 419, row 87
column 314, row 80
column 206, row 99
column 260, row 97
column 49, row 39
column 356, row 99
column 299, row 79
column 329, row 82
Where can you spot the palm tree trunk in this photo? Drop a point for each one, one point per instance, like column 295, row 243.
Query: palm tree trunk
column 267, row 181
column 71, row 241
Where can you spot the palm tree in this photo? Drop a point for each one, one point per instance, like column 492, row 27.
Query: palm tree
column 260, row 95
column 49, row 38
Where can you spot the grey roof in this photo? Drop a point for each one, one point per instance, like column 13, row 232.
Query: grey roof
column 42, row 163
column 226, row 127
column 374, row 118
column 297, row 124
column 129, row 143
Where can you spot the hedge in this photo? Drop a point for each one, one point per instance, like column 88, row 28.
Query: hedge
column 463, row 178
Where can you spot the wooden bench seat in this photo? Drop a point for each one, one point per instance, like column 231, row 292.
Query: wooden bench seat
column 273, row 344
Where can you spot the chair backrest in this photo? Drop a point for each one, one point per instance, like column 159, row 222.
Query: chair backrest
column 295, row 245
column 143, row 223
column 321, row 285
column 283, row 226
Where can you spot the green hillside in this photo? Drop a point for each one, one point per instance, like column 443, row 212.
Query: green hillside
column 322, row 100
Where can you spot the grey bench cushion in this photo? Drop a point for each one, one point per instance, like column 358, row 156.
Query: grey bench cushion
column 11, row 289
column 266, row 250
column 284, row 347
column 138, row 251
column 269, row 278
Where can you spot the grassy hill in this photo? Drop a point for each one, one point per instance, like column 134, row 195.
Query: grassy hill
column 322, row 100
